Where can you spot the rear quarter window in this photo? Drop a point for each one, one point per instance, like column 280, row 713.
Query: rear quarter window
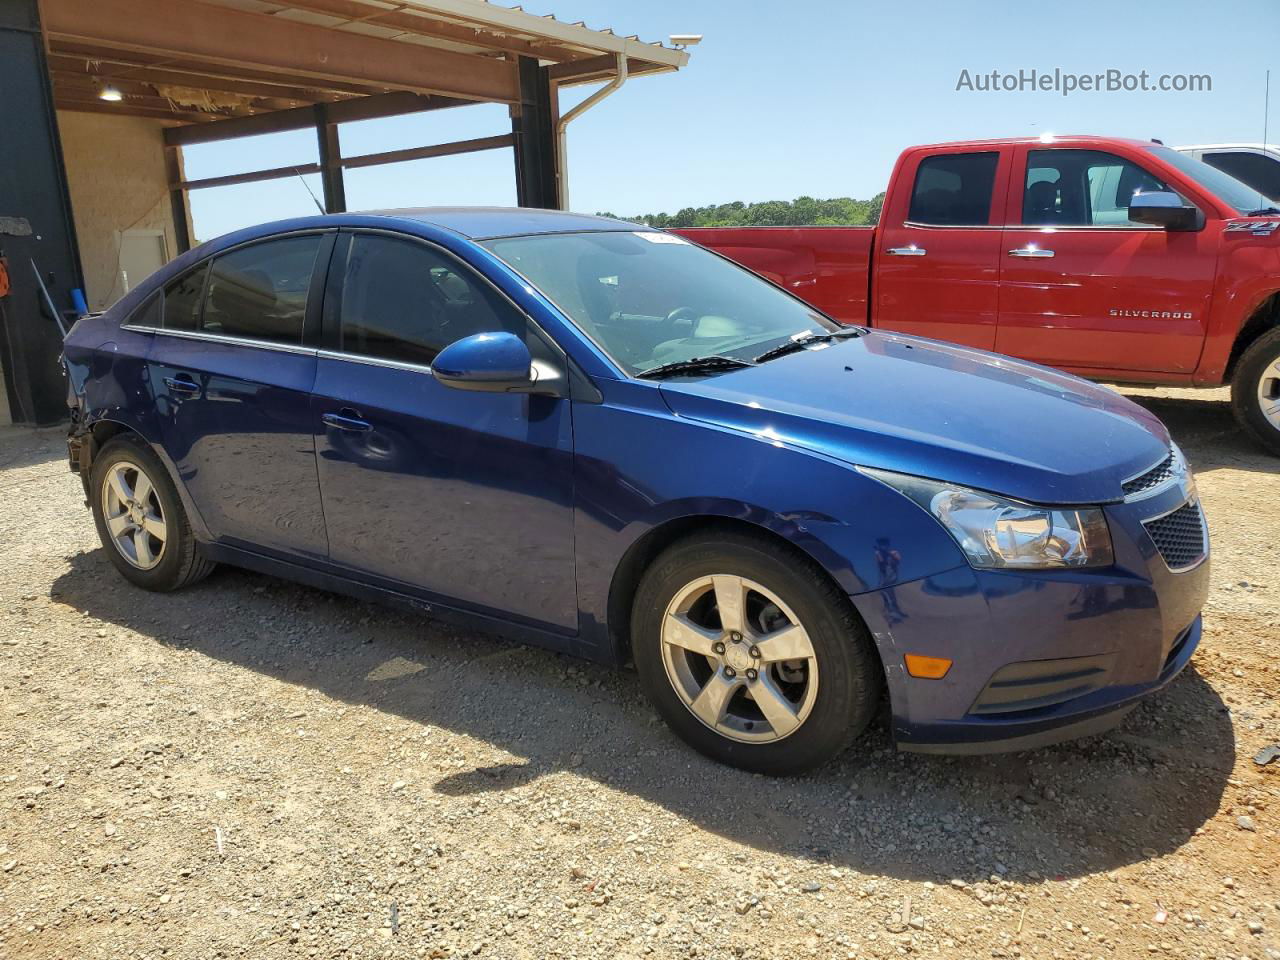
column 954, row 189
column 182, row 299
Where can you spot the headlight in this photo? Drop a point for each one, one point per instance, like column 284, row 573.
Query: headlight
column 998, row 533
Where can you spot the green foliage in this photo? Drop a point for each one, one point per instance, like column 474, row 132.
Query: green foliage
column 803, row 211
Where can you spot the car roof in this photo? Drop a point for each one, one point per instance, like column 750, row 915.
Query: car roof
column 484, row 223
column 1054, row 140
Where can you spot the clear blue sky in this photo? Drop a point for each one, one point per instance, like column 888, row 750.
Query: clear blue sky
column 805, row 97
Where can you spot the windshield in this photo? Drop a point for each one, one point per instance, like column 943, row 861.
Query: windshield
column 648, row 299
column 1225, row 187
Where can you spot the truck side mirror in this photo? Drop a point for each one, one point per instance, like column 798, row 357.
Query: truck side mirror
column 1163, row 208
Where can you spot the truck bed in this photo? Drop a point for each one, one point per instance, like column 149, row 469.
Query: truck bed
column 796, row 257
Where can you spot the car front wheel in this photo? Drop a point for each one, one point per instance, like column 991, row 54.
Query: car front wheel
column 752, row 655
column 1255, row 390
column 140, row 519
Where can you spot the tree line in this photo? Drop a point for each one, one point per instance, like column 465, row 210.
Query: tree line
column 803, row 211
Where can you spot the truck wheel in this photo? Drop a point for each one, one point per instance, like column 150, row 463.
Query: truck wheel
column 1255, row 390
column 752, row 655
column 140, row 519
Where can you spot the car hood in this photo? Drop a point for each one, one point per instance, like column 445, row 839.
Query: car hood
column 937, row 410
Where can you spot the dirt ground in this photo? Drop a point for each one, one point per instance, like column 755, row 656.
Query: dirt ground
column 256, row 769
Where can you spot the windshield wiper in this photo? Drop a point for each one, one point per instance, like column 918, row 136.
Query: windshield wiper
column 800, row 343
column 694, row 365
column 1262, row 212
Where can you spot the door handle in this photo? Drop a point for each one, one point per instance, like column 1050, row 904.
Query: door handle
column 911, row 251
column 1037, row 253
column 181, row 385
column 347, row 419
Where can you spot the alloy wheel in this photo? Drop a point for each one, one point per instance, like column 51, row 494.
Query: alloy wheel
column 739, row 658
column 134, row 517
column 1269, row 393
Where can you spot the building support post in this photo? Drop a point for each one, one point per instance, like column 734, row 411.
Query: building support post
column 533, row 124
column 335, row 188
column 179, row 206
column 36, row 226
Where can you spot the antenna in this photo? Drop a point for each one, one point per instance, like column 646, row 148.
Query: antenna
column 320, row 206
column 1266, row 115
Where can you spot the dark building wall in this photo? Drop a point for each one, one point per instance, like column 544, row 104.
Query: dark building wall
column 33, row 190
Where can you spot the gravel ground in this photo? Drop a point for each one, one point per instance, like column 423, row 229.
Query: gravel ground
column 256, row 769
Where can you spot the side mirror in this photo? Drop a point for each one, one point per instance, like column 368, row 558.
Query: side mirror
column 1163, row 208
column 493, row 362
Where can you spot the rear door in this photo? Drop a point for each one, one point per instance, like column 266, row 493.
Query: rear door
column 1085, row 288
column 232, row 374
column 937, row 252
column 464, row 496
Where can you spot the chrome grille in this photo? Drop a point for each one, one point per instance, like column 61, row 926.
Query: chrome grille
column 1180, row 536
column 1160, row 473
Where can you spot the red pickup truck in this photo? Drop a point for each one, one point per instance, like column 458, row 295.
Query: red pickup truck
column 1119, row 260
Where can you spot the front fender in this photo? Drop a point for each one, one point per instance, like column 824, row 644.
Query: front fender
column 639, row 467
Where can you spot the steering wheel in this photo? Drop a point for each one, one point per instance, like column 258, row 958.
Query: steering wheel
column 675, row 316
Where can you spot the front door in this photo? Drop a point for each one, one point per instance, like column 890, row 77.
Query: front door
column 937, row 264
column 1085, row 288
column 462, row 496
column 232, row 380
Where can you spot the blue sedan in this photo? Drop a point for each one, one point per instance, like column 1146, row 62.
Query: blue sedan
column 605, row 440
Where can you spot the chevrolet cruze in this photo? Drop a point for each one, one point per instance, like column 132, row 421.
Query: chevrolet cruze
column 603, row 439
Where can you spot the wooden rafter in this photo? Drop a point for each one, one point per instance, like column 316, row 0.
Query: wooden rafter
column 224, row 35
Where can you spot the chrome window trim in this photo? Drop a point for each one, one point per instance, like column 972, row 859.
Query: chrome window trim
column 1040, row 227
column 225, row 339
column 373, row 361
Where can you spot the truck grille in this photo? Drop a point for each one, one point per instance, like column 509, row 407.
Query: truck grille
column 1160, row 473
column 1180, row 536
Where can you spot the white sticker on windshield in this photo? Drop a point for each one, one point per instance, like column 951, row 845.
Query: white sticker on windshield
column 654, row 236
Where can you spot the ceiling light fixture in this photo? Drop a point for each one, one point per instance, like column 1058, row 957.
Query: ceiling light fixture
column 110, row 93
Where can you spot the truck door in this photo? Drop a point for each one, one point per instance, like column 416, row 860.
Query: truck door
column 937, row 260
column 1084, row 287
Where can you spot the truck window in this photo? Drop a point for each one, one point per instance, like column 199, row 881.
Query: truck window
column 954, row 190
column 1255, row 169
column 1082, row 188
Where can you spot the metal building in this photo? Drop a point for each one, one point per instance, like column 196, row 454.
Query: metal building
column 100, row 97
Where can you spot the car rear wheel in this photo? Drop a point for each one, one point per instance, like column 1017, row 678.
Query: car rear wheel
column 752, row 655
column 1255, row 390
column 140, row 519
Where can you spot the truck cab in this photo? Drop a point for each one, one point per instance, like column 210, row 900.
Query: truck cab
column 1119, row 260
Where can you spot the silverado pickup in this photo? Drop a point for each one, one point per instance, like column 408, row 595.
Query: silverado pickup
column 1119, row 260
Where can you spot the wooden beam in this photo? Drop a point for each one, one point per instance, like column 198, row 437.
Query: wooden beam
column 438, row 150
column 599, row 68
column 73, row 69
column 344, row 111
column 409, row 20
column 275, row 173
column 185, row 28
column 86, row 87
column 178, row 205
column 127, row 110
column 139, row 64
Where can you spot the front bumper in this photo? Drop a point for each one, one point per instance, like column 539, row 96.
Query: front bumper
column 1038, row 657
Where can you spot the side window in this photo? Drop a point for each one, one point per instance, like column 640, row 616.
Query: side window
column 1255, row 170
column 954, row 189
column 182, row 299
column 260, row 292
column 1082, row 188
column 404, row 301
column 150, row 314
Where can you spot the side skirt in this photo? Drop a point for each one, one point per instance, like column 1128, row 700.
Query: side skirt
column 495, row 626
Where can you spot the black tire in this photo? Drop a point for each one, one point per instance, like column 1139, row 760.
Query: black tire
column 849, row 672
column 181, row 562
column 1246, row 404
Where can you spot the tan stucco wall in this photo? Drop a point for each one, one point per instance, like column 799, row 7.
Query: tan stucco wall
column 115, row 169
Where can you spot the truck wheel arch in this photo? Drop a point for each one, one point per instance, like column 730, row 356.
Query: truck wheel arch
column 1265, row 317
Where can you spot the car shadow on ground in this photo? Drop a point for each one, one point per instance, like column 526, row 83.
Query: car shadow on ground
column 1083, row 807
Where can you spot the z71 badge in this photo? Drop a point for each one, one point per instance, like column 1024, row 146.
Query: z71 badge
column 1260, row 228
